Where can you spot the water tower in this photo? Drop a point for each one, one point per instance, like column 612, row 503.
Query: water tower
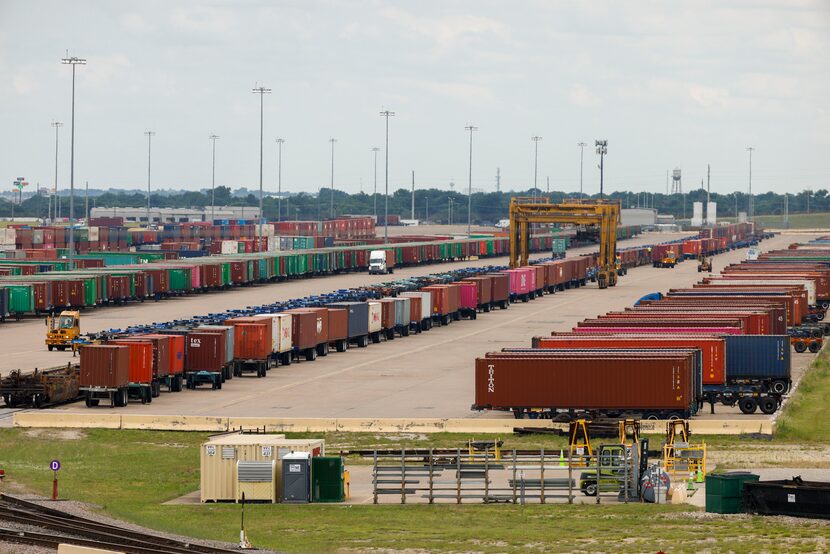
column 676, row 182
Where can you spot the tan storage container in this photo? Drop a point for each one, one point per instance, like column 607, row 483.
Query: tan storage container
column 375, row 317
column 221, row 454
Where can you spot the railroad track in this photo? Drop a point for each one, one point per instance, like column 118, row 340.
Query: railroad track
column 62, row 527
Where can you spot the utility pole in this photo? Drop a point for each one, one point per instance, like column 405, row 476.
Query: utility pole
column 450, row 213
column 547, row 185
column 73, row 61
column 786, row 210
column 582, row 146
column 602, row 150
column 809, row 193
column 498, row 179
column 149, row 149
column 331, row 196
column 262, row 91
column 375, row 150
column 535, row 140
column 667, row 182
column 708, row 176
column 213, row 180
column 279, row 178
column 750, row 206
column 387, row 114
column 86, row 204
column 57, row 125
column 470, row 128
column 412, row 215
column 426, row 216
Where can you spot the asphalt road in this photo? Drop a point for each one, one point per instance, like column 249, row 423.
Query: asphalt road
column 426, row 375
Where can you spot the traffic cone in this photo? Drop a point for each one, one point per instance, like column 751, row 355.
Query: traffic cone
column 562, row 459
column 690, row 484
column 699, row 478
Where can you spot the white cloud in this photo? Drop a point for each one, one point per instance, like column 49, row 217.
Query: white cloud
column 709, row 97
column 582, row 96
column 204, row 20
column 468, row 92
column 446, row 31
column 23, row 84
column 104, row 71
column 135, row 22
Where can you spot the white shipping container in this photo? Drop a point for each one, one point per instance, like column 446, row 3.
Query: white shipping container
column 275, row 329
column 267, row 229
column 374, row 317
column 771, row 279
column 93, row 234
column 273, row 244
column 284, row 340
column 230, row 247
column 426, row 303
column 11, row 236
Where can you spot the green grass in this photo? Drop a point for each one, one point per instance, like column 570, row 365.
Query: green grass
column 805, row 417
column 129, row 474
column 797, row 221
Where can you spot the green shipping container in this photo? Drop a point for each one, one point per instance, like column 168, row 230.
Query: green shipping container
column 179, row 280
column 21, row 299
column 327, row 479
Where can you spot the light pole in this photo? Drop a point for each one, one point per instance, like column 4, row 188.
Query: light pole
column 57, row 125
column 602, row 150
column 582, row 146
column 470, row 128
column 331, row 195
column 279, row 178
column 375, row 149
column 750, row 207
column 73, row 61
column 262, row 91
column 149, row 148
column 387, row 114
column 213, row 180
column 535, row 140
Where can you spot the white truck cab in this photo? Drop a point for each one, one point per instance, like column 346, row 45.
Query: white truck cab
column 752, row 254
column 381, row 261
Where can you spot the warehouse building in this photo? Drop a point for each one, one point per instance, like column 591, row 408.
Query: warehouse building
column 177, row 215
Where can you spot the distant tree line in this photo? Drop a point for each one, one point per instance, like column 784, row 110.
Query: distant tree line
column 430, row 204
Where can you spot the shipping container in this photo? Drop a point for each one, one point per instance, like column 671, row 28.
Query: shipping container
column 205, row 351
column 761, row 359
column 304, row 333
column 421, row 309
column 251, row 348
column 141, row 359
column 649, row 385
column 358, row 321
column 104, row 366
column 375, row 321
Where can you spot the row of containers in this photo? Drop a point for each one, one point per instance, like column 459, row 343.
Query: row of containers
column 35, row 287
column 725, row 340
column 141, row 362
column 111, row 234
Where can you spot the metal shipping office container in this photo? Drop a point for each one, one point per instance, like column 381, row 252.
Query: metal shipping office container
column 220, row 454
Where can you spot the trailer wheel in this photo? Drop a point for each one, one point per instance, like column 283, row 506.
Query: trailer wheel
column 7, row 398
column 799, row 346
column 363, row 341
column 405, row 331
column 91, row 402
column 779, row 387
column 768, row 405
column 375, row 338
column 341, row 346
column 50, row 347
column 311, row 354
column 748, row 405
column 219, row 385
column 323, row 349
column 285, row 359
column 815, row 347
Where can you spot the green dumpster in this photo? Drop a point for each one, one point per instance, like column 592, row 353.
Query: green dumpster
column 725, row 490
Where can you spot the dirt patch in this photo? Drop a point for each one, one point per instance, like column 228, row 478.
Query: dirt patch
column 770, row 455
column 56, row 434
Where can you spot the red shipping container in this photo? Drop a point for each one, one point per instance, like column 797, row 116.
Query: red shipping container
column 141, row 359
column 251, row 341
column 469, row 294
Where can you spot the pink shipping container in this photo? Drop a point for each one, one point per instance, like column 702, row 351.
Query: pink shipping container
column 469, row 295
column 520, row 282
column 531, row 273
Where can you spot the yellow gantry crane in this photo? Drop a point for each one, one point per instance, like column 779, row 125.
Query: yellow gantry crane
column 605, row 214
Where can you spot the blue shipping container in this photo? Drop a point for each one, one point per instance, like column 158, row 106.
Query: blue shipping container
column 751, row 357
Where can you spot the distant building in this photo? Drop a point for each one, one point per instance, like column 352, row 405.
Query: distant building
column 177, row 215
column 639, row 216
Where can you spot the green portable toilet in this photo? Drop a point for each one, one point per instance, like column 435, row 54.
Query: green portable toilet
column 327, row 479
column 724, row 491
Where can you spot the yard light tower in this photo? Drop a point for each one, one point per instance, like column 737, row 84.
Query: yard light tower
column 262, row 91
column 470, row 128
column 149, row 151
column 375, row 150
column 213, row 179
column 582, row 146
column 73, row 61
column 280, row 141
column 535, row 140
column 56, row 213
column 386, row 114
column 750, row 207
column 602, row 150
column 331, row 195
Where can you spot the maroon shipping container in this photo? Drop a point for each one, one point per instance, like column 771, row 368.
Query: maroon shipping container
column 68, row 293
column 500, row 288
column 321, row 323
column 485, row 289
column 204, row 351
column 415, row 309
column 647, row 385
column 387, row 314
column 777, row 301
column 104, row 366
column 338, row 328
column 754, row 323
column 303, row 329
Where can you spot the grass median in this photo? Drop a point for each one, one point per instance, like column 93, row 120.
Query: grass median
column 130, row 474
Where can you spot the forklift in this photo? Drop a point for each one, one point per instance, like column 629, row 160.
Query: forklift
column 62, row 331
column 610, row 457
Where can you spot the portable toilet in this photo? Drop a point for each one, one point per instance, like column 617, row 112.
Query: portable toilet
column 296, row 478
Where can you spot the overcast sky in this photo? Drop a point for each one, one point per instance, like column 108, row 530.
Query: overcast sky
column 666, row 83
